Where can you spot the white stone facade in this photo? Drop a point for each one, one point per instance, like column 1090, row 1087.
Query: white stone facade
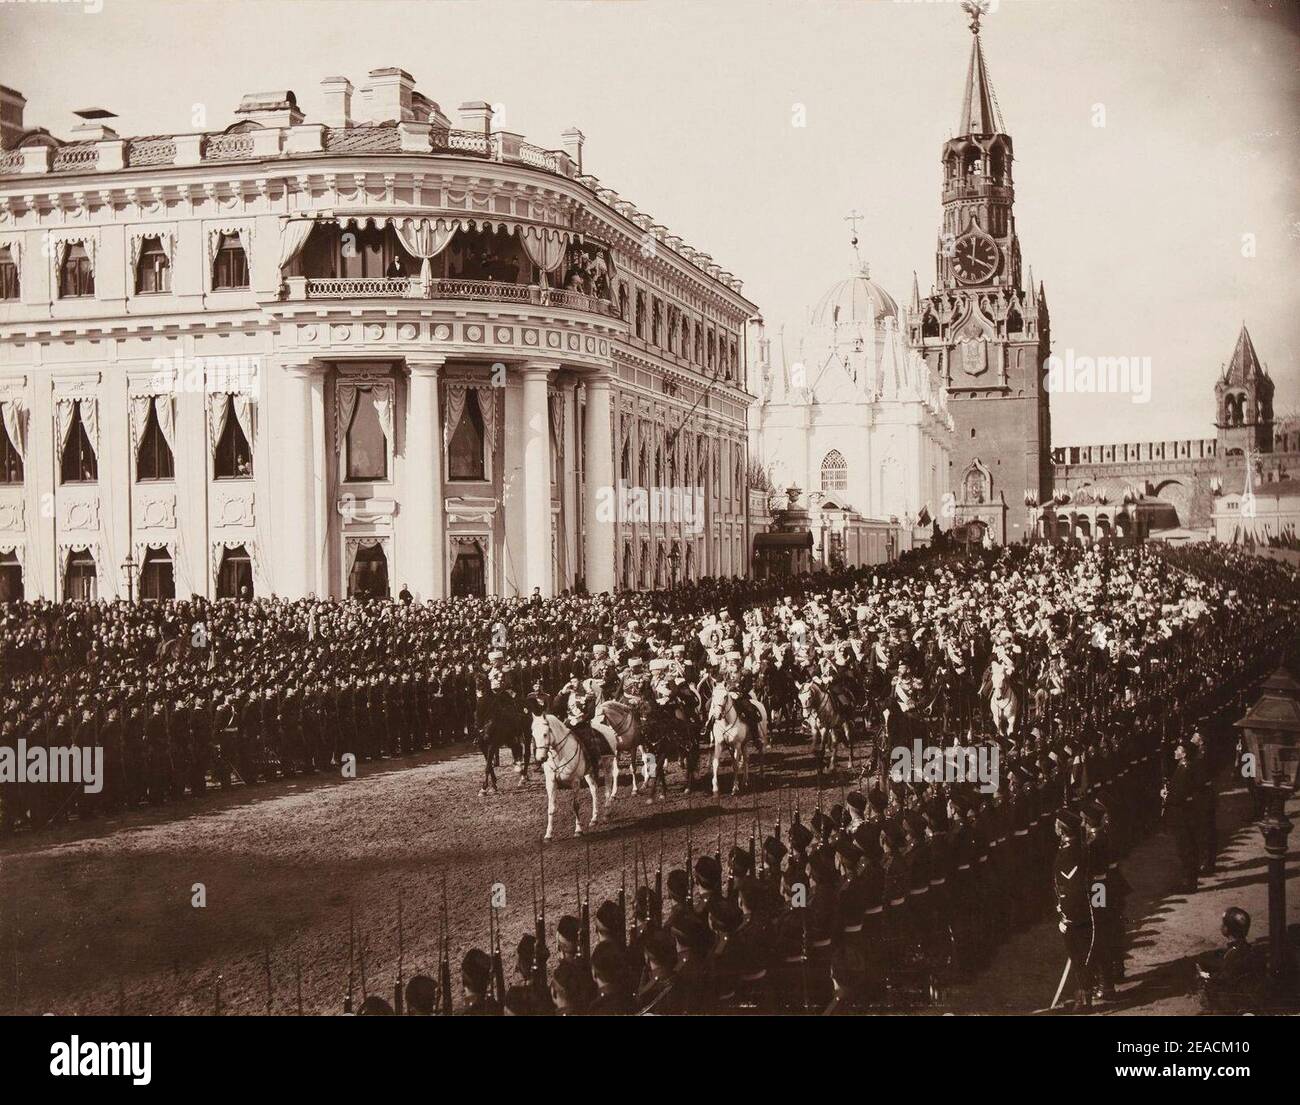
column 376, row 311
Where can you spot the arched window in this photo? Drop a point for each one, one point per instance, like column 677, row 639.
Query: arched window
column 78, row 464
column 369, row 576
column 153, row 271
column 1015, row 324
column 157, row 577
column 9, row 284
column 929, row 326
column 465, row 454
column 640, row 313
column 625, row 463
column 835, row 472
column 230, row 270
column 153, row 459
column 235, row 576
column 79, row 582
column 234, row 458
column 367, row 445
column 77, row 277
column 622, row 302
column 686, row 337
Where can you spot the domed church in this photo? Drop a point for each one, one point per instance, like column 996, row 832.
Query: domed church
column 857, row 422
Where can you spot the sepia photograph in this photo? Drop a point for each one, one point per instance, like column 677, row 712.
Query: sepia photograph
column 663, row 508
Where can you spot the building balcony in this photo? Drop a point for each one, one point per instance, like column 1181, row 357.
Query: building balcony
column 299, row 289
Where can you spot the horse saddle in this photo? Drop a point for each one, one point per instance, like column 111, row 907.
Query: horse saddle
column 594, row 744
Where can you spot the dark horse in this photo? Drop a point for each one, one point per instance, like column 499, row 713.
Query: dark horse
column 501, row 723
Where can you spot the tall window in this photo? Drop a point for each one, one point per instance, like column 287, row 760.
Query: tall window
column 9, row 288
column 369, row 576
column 153, row 459
column 78, row 464
column 157, row 578
column 11, row 464
column 234, row 459
column 11, row 578
column 835, row 472
column 153, row 272
column 465, row 454
column 640, row 314
column 79, row 582
column 235, row 576
column 76, row 278
column 230, row 270
column 367, row 445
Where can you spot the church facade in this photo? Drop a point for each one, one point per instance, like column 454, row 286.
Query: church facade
column 340, row 356
column 857, row 422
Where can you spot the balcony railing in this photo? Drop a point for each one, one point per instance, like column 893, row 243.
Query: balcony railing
column 411, row 287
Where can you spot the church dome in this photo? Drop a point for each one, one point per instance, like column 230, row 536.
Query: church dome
column 859, row 299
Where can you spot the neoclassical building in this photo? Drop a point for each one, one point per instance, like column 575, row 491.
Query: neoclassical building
column 856, row 420
column 344, row 355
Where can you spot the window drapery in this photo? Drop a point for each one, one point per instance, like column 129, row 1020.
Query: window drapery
column 293, row 236
column 425, row 239
column 546, row 248
column 11, row 411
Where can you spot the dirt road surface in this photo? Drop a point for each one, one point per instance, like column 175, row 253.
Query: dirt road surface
column 99, row 918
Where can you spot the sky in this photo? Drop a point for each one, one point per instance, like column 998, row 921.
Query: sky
column 1156, row 234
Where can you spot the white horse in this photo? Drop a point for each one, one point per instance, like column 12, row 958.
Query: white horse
column 564, row 765
column 618, row 723
column 730, row 731
column 1004, row 698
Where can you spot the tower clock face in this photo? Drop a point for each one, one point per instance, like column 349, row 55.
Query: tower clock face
column 975, row 259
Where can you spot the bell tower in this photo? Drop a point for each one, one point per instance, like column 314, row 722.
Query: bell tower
column 984, row 327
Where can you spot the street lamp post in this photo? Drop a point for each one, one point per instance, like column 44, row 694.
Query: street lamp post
column 1271, row 730
column 128, row 570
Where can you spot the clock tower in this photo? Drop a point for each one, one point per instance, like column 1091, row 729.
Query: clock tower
column 983, row 328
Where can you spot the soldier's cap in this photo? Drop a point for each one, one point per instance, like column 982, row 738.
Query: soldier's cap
column 1069, row 818
column 678, row 885
column 891, row 835
column 740, row 860
column 707, row 871
column 878, row 800
column 608, row 917
column 607, row 961
column 800, row 835
column 600, row 650
column 867, row 838
column 856, row 801
column 774, row 849
column 476, row 968
column 659, row 665
column 569, row 929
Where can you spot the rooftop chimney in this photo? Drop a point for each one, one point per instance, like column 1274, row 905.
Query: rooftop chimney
column 337, row 92
column 11, row 116
column 388, row 96
column 476, row 115
column 92, row 127
column 270, row 109
column 573, row 139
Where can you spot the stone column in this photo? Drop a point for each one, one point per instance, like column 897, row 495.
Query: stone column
column 537, row 479
column 598, row 510
column 293, row 523
column 421, row 517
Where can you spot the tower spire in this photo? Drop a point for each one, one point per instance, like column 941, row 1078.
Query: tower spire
column 979, row 108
